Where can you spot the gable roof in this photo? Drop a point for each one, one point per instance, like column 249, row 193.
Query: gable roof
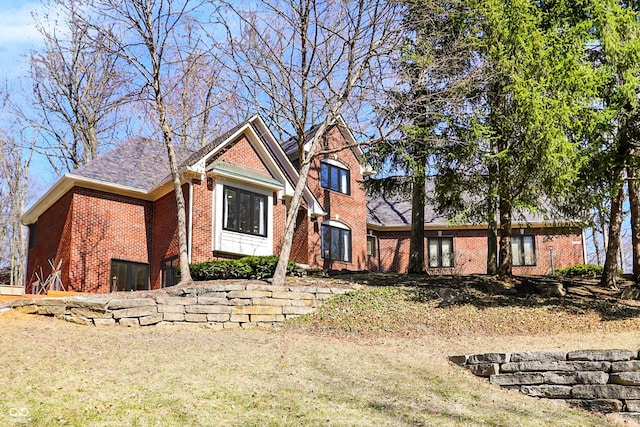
column 290, row 146
column 137, row 163
column 139, row 168
column 394, row 211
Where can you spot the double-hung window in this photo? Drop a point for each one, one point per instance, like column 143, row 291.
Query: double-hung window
column 335, row 178
column 336, row 243
column 440, row 252
column 523, row 250
column 245, row 211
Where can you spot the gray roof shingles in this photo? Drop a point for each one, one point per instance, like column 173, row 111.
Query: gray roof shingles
column 140, row 163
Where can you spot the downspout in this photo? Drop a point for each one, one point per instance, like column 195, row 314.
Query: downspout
column 190, row 237
column 584, row 247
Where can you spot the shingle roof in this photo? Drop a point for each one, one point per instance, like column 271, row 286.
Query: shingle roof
column 395, row 211
column 138, row 163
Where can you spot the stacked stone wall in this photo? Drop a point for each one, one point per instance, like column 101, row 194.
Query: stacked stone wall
column 218, row 306
column 606, row 381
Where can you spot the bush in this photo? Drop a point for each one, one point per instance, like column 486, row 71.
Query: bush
column 582, row 270
column 251, row 267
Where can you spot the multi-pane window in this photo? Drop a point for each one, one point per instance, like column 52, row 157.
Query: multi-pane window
column 334, row 178
column 440, row 252
column 523, row 250
column 336, row 243
column 245, row 211
column 169, row 268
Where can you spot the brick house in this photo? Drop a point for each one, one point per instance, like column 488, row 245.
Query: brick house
column 113, row 222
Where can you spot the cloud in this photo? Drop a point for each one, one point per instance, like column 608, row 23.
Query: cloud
column 18, row 26
column 18, row 36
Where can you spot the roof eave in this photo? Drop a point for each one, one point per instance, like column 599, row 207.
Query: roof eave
column 67, row 182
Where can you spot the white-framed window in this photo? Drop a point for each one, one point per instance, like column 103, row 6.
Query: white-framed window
column 523, row 250
column 440, row 252
column 336, row 242
column 245, row 211
column 335, row 178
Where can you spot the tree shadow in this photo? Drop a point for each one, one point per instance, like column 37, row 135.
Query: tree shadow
column 482, row 291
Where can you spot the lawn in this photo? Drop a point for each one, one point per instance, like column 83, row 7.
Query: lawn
column 377, row 357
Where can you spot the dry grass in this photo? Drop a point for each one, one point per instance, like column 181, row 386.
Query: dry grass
column 374, row 358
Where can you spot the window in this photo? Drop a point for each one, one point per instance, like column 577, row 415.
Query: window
column 336, row 243
column 371, row 245
column 245, row 211
column 523, row 250
column 129, row 276
column 335, row 178
column 169, row 268
column 33, row 234
column 440, row 252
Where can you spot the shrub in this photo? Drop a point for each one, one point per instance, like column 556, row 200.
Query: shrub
column 582, row 270
column 251, row 267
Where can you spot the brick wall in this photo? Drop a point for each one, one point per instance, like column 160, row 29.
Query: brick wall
column 86, row 229
column 53, row 241
column 202, row 226
column 470, row 249
column 348, row 209
column 105, row 227
column 241, row 152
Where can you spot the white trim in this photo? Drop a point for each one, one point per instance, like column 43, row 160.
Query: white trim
column 584, row 247
column 336, row 224
column 246, row 180
column 314, row 207
column 277, row 163
column 240, row 243
column 67, row 182
column 190, row 240
column 335, row 163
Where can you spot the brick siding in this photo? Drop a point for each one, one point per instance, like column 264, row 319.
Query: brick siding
column 470, row 250
column 348, row 209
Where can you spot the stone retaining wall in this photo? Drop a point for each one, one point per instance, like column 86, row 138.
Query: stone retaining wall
column 606, row 381
column 217, row 306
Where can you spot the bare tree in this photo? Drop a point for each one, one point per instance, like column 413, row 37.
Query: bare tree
column 15, row 159
column 78, row 87
column 149, row 36
column 301, row 64
column 196, row 104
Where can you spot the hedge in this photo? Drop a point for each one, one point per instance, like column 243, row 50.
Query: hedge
column 250, row 267
column 581, row 270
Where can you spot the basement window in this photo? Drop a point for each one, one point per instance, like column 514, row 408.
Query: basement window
column 129, row 276
column 440, row 252
column 523, row 251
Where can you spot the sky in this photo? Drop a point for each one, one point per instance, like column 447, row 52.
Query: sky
column 18, row 35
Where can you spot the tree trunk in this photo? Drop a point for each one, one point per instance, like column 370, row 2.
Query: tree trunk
column 280, row 274
column 634, row 203
column 416, row 242
column 615, row 221
column 505, row 267
column 492, row 226
column 596, row 246
column 185, row 273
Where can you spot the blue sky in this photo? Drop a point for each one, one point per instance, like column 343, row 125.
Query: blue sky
column 18, row 34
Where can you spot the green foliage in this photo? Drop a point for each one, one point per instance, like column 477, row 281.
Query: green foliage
column 251, row 267
column 580, row 270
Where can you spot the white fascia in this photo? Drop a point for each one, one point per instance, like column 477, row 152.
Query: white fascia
column 314, row 207
column 66, row 183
